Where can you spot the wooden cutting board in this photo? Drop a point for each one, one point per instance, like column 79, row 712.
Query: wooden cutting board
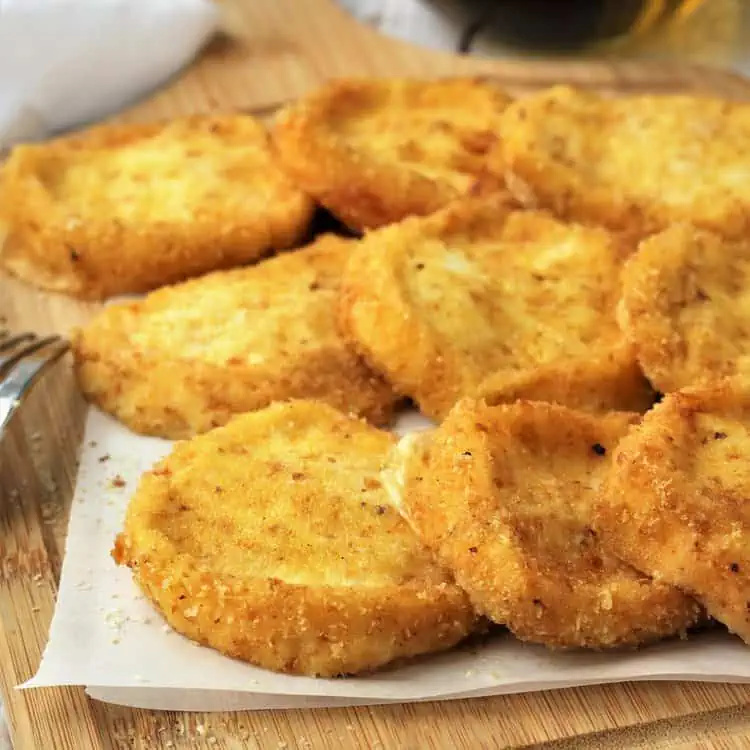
column 288, row 47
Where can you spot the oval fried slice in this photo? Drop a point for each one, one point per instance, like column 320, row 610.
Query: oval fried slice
column 634, row 163
column 504, row 496
column 186, row 358
column 677, row 504
column 482, row 298
column 126, row 208
column 273, row 541
column 375, row 151
column 686, row 306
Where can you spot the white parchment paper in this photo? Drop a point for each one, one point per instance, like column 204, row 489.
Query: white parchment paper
column 106, row 636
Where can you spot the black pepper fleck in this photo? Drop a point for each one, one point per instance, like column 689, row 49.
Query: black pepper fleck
column 734, row 567
column 599, row 449
column 719, row 435
column 380, row 509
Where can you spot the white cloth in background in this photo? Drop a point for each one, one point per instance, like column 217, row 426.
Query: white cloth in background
column 66, row 62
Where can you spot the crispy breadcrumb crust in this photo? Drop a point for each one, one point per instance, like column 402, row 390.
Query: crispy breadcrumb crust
column 686, row 298
column 483, row 298
column 273, row 541
column 125, row 208
column 376, row 151
column 635, row 163
column 187, row 358
column 503, row 495
column 676, row 505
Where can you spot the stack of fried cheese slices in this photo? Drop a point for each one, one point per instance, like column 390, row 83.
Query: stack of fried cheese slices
column 560, row 282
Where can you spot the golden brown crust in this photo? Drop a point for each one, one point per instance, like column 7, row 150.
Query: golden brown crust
column 634, row 163
column 376, row 151
column 186, row 358
column 483, row 298
column 677, row 503
column 686, row 295
column 273, row 541
column 504, row 494
column 124, row 208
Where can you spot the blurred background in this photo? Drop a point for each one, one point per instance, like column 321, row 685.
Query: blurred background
column 714, row 32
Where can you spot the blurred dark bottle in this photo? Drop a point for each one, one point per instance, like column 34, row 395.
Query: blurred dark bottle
column 570, row 25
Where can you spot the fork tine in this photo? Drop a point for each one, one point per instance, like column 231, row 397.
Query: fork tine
column 21, row 370
column 8, row 342
column 29, row 346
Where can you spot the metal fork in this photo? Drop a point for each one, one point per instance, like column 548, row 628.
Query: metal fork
column 23, row 358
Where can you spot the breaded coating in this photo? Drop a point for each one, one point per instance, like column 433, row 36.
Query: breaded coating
column 125, row 208
column 273, row 540
column 376, row 151
column 483, row 298
column 634, row 163
column 504, row 496
column 677, row 503
column 187, row 358
column 686, row 307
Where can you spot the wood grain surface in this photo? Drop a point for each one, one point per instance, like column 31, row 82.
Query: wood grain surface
column 287, row 48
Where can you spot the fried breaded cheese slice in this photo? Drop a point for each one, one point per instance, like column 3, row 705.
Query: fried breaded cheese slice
column 126, row 208
column 375, row 151
column 503, row 495
column 186, row 358
column 482, row 298
column 686, row 307
column 637, row 163
column 273, row 540
column 677, row 504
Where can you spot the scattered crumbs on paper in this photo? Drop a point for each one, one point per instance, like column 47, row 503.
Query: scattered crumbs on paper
column 103, row 459
column 83, row 586
column 116, row 619
column 117, row 481
column 166, row 628
column 92, row 443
